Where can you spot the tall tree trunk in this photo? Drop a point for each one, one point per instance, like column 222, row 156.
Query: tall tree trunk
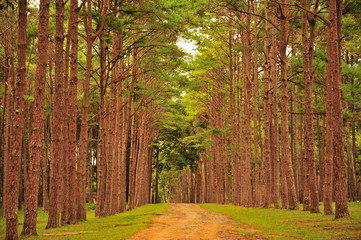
column 328, row 184
column 72, row 186
column 246, row 162
column 122, row 145
column 274, row 138
column 57, row 132
column 36, row 138
column 108, row 148
column 286, row 146
column 307, row 44
column 334, row 65
column 266, row 160
column 13, row 166
column 133, row 135
column 101, row 158
column 255, row 112
column 10, row 77
column 234, row 137
column 83, row 141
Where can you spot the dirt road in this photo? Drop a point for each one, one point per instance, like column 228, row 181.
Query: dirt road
column 189, row 221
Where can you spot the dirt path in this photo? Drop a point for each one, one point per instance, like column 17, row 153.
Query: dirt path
column 189, row 221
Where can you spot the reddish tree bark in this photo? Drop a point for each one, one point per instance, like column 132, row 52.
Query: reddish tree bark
column 36, row 138
column 83, row 141
column 286, row 146
column 266, row 159
column 57, row 128
column 72, row 140
column 13, row 166
column 246, row 200
column 334, row 67
column 275, row 158
column 307, row 44
column 255, row 112
column 101, row 158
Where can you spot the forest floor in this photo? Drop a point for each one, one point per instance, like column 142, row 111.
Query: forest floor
column 202, row 221
column 190, row 221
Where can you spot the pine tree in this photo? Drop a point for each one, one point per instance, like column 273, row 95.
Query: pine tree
column 37, row 136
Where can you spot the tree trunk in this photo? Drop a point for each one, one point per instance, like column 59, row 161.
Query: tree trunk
column 246, row 162
column 234, row 138
column 266, row 160
column 274, row 138
column 307, row 44
column 286, row 146
column 122, row 145
column 101, row 158
column 83, row 141
column 334, row 65
column 36, row 139
column 328, row 184
column 64, row 165
column 255, row 112
column 57, row 132
column 13, row 166
column 133, row 137
column 45, row 166
column 9, row 112
column 72, row 159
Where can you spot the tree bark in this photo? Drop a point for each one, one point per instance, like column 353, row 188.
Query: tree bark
column 36, row 138
column 101, row 158
column 274, row 137
column 266, row 160
column 83, row 141
column 14, row 165
column 72, row 159
column 286, row 146
column 57, row 132
column 256, row 113
column 246, row 162
column 334, row 66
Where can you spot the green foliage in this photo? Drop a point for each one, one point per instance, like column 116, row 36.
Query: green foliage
column 29, row 98
column 118, row 24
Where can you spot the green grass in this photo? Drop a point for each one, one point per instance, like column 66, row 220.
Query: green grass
column 120, row 226
column 252, row 223
column 255, row 223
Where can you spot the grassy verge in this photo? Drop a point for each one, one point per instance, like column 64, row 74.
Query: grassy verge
column 120, row 226
column 259, row 223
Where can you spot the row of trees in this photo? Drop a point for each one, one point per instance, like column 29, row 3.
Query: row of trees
column 97, row 94
column 80, row 98
column 273, row 127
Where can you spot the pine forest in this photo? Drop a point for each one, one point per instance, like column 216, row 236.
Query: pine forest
column 116, row 104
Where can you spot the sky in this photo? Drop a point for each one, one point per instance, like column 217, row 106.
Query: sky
column 187, row 45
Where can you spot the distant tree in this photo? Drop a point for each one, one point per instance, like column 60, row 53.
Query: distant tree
column 308, row 53
column 286, row 145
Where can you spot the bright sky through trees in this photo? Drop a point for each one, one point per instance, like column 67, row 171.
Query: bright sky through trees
column 188, row 46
